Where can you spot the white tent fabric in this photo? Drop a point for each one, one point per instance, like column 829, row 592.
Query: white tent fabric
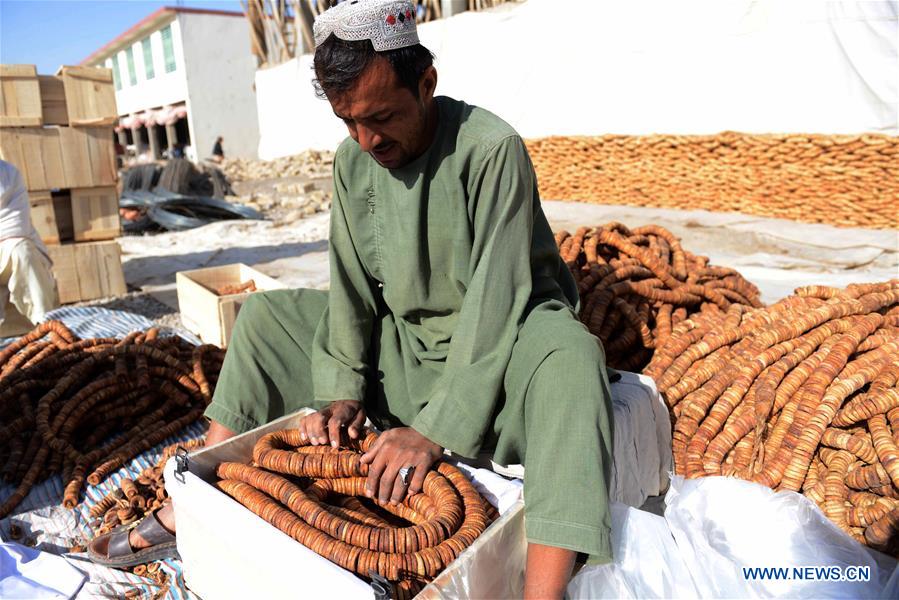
column 582, row 67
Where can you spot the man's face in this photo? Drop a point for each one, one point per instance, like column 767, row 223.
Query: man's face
column 385, row 118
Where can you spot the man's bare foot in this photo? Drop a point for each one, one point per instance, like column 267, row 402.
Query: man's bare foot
column 547, row 572
column 166, row 515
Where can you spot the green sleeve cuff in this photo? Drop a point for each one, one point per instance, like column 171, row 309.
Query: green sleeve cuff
column 332, row 380
column 593, row 541
column 443, row 423
column 236, row 422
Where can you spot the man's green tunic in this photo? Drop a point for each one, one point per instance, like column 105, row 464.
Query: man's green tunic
column 451, row 312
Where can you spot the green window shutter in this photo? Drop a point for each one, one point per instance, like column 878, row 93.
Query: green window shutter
column 132, row 74
column 168, row 48
column 148, row 58
column 116, row 78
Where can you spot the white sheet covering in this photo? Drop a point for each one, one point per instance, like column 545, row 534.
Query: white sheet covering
column 30, row 574
column 584, row 67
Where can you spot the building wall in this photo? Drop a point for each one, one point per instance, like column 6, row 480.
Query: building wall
column 220, row 71
column 164, row 88
column 756, row 66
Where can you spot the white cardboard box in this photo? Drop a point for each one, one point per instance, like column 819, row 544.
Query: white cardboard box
column 209, row 315
column 229, row 552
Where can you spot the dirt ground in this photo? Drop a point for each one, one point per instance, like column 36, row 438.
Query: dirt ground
column 775, row 254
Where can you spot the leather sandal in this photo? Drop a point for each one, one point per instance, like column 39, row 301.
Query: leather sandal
column 113, row 549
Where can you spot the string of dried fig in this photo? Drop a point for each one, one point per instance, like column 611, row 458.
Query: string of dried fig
column 133, row 499
column 847, row 181
column 636, row 285
column 802, row 395
column 316, row 495
column 83, row 408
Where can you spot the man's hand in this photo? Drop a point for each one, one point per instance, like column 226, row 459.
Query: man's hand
column 393, row 450
column 328, row 424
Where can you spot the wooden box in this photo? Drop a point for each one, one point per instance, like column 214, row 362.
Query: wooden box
column 61, row 157
column 80, row 214
column 62, row 209
column 20, row 96
column 206, row 313
column 95, row 214
column 53, row 100
column 87, row 271
column 88, row 156
column 43, row 216
column 89, row 96
column 37, row 155
column 217, row 534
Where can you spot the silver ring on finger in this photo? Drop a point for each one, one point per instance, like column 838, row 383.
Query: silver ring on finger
column 405, row 472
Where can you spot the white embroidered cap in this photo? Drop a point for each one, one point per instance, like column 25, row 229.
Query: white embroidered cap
column 389, row 24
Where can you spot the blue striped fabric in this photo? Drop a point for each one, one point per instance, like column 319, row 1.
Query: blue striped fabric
column 105, row 583
column 94, row 322
column 41, row 514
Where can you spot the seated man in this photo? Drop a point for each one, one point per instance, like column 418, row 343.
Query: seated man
column 27, row 286
column 450, row 319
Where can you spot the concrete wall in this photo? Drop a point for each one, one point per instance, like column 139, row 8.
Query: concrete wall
column 220, row 70
column 164, row 88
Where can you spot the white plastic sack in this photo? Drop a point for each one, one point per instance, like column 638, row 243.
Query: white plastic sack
column 647, row 563
column 722, row 525
column 715, row 527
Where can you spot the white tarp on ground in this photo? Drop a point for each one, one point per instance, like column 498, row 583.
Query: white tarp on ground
column 716, row 530
column 583, row 67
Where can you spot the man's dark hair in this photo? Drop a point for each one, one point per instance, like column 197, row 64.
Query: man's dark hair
column 338, row 64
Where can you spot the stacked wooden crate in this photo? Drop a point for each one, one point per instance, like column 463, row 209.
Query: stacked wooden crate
column 58, row 131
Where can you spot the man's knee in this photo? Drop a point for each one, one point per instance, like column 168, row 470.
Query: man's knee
column 573, row 354
column 583, row 347
column 557, row 331
column 256, row 313
column 255, row 308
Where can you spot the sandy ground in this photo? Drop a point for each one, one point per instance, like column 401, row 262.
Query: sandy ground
column 775, row 254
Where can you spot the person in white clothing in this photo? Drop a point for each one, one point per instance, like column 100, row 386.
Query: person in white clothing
column 27, row 287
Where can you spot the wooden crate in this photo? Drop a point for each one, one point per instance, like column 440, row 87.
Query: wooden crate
column 76, row 157
column 206, row 313
column 80, row 215
column 43, row 216
column 95, row 213
column 62, row 208
column 89, row 96
column 87, row 271
column 53, row 100
column 101, row 149
column 61, row 157
column 20, row 96
column 37, row 155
